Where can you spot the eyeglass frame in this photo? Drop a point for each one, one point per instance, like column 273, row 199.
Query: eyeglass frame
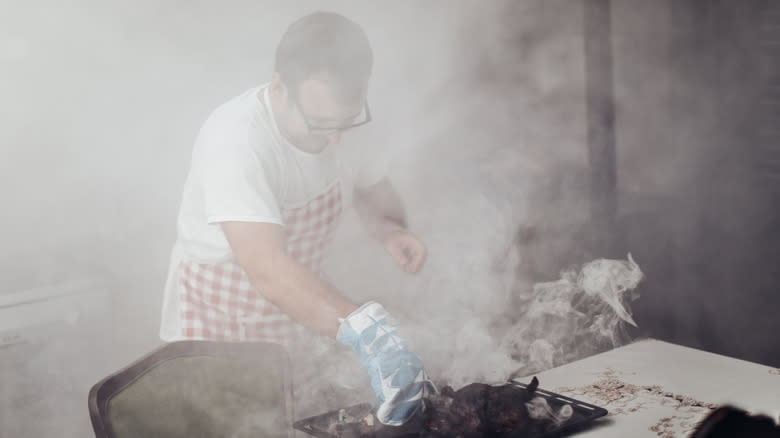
column 319, row 130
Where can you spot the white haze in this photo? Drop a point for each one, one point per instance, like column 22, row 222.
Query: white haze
column 474, row 162
column 482, row 104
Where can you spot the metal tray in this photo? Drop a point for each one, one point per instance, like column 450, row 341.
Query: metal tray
column 583, row 416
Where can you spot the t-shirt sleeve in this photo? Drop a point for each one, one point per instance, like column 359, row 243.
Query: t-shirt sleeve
column 239, row 183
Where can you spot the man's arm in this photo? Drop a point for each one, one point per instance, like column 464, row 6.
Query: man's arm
column 397, row 374
column 382, row 212
column 380, row 208
column 260, row 248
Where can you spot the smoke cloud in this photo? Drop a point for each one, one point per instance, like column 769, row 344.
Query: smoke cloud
column 480, row 106
column 489, row 159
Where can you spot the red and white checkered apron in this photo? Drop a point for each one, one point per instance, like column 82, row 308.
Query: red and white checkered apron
column 219, row 303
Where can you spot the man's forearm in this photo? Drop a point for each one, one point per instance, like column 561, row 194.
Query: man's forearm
column 380, row 209
column 300, row 293
column 260, row 248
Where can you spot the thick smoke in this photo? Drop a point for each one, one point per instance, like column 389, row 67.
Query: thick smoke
column 480, row 103
column 491, row 166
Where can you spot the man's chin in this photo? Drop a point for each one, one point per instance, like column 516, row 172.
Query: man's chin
column 312, row 147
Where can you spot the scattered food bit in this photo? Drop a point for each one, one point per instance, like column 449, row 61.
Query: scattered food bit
column 622, row 398
column 610, row 390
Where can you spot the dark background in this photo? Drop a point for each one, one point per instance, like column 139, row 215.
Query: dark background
column 709, row 244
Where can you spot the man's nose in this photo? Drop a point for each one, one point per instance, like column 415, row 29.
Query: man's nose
column 334, row 137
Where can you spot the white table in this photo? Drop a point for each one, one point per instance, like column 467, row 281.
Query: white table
column 657, row 389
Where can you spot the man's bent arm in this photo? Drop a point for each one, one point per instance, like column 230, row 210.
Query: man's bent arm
column 261, row 249
column 380, row 208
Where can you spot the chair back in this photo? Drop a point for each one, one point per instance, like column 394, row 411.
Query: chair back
column 197, row 389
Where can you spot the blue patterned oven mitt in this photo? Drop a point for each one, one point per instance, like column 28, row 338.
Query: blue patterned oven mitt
column 397, row 374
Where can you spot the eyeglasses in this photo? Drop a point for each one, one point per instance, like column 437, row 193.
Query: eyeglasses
column 366, row 117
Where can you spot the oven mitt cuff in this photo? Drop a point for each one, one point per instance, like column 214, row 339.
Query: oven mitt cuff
column 397, row 375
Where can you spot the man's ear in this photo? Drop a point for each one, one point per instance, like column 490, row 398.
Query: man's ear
column 278, row 87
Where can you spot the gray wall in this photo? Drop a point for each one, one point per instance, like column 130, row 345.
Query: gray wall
column 690, row 79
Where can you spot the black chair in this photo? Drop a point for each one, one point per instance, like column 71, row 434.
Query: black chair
column 197, row 389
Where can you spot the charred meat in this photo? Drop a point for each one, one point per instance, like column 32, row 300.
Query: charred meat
column 477, row 410
column 480, row 410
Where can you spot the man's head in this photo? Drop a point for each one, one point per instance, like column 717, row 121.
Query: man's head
column 323, row 63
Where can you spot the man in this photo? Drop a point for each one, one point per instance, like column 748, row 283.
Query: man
column 267, row 183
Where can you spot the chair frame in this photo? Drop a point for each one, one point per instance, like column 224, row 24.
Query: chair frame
column 102, row 392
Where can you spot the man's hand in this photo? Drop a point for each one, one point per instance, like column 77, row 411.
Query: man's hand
column 407, row 250
column 382, row 212
column 397, row 375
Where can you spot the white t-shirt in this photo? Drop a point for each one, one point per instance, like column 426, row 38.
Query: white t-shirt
column 243, row 169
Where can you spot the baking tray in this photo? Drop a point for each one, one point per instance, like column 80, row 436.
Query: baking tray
column 582, row 417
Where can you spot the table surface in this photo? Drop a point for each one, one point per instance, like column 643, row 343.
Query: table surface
column 657, row 389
